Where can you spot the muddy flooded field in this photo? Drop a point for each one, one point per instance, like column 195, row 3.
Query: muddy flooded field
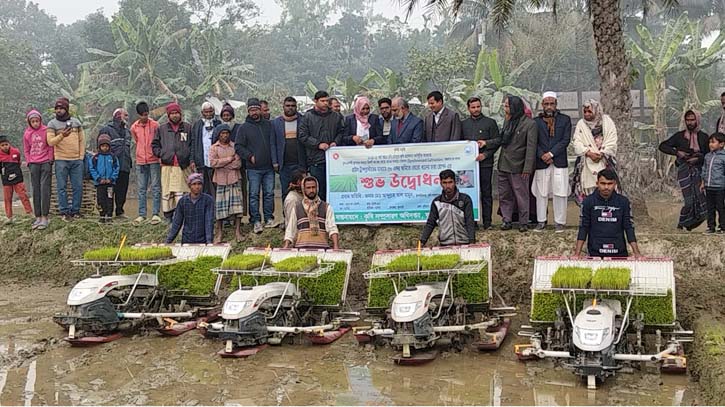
column 37, row 368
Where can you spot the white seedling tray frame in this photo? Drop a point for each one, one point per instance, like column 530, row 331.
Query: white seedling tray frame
column 650, row 276
column 476, row 252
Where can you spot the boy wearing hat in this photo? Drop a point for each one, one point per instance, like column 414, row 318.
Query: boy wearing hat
column 195, row 212
column 65, row 134
column 104, row 169
column 12, row 178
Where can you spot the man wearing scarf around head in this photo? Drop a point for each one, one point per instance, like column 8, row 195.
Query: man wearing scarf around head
column 552, row 175
column 516, row 162
column 595, row 145
column 65, row 135
column 312, row 221
column 202, row 134
column 120, row 134
column 689, row 146
column 172, row 144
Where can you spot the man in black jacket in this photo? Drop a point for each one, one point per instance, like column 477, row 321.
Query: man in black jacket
column 320, row 129
column 484, row 131
column 172, row 144
column 606, row 218
column 202, row 134
column 452, row 211
column 551, row 177
column 121, row 149
column 257, row 147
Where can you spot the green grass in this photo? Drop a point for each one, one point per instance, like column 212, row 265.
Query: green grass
column 129, row 254
column 409, row 262
column 611, row 278
column 195, row 277
column 296, row 264
column 343, row 183
column 323, row 290
column 245, row 262
column 471, row 287
column 571, row 277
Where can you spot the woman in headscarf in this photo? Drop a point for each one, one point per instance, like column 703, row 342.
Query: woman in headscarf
column 516, row 163
column 595, row 145
column 363, row 128
column 39, row 155
column 689, row 146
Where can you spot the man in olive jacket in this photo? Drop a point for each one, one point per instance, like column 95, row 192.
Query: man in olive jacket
column 516, row 162
column 320, row 129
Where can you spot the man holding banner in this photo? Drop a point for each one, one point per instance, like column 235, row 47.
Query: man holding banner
column 452, row 211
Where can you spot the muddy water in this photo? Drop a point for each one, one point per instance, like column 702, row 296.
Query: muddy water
column 37, row 368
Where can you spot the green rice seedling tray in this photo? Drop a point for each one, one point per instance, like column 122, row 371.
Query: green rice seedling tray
column 613, row 278
column 473, row 287
column 195, row 277
column 245, row 262
column 128, row 254
column 325, row 289
column 571, row 277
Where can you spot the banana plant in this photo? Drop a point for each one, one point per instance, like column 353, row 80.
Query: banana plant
column 695, row 64
column 491, row 83
column 658, row 56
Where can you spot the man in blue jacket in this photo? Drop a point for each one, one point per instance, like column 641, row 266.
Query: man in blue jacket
column 606, row 218
column 256, row 145
column 290, row 151
column 406, row 127
column 551, row 177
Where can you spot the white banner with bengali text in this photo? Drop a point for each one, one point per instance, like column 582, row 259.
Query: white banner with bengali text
column 397, row 183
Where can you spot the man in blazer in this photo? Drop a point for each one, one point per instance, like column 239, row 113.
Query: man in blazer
column 551, row 177
column 441, row 123
column 291, row 154
column 406, row 127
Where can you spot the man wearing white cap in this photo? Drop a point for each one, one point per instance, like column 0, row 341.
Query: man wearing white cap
column 551, row 178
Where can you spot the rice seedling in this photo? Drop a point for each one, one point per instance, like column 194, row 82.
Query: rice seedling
column 571, row 277
column 296, row 264
column 245, row 262
column 471, row 287
column 129, row 254
column 195, row 277
column 611, row 278
column 409, row 262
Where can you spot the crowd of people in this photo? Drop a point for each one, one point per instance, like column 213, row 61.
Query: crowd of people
column 210, row 173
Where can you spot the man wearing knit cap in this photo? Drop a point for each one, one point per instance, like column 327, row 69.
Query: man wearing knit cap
column 551, row 178
column 120, row 135
column 65, row 134
column 256, row 146
column 202, row 134
column 148, row 169
column 172, row 144
column 195, row 213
